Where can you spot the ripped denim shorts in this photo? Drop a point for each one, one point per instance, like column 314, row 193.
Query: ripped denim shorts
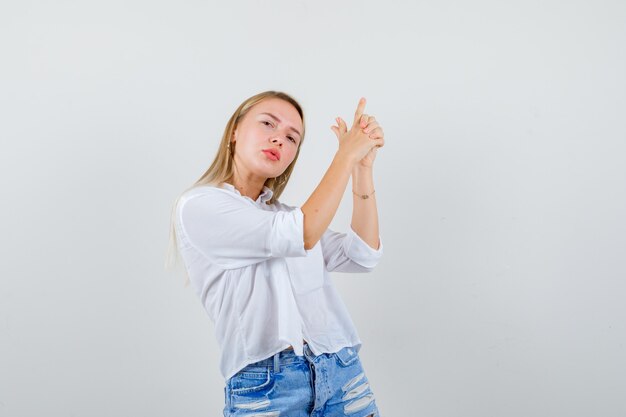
column 329, row 384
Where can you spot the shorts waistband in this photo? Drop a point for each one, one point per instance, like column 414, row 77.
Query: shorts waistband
column 284, row 357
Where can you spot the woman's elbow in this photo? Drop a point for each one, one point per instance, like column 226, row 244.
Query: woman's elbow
column 310, row 243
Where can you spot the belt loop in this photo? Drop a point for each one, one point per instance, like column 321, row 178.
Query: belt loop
column 277, row 362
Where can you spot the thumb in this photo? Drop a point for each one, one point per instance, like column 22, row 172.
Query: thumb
column 343, row 127
column 336, row 130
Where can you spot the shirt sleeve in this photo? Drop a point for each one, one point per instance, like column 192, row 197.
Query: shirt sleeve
column 347, row 252
column 233, row 233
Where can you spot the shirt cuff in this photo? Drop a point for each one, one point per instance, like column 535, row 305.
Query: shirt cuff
column 359, row 251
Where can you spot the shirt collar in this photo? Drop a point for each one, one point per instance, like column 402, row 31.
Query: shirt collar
column 265, row 195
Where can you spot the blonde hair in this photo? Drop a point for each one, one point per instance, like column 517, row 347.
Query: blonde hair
column 222, row 167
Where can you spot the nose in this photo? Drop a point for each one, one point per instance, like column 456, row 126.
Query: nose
column 277, row 139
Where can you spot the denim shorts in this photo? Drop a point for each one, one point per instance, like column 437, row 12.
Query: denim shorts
column 330, row 384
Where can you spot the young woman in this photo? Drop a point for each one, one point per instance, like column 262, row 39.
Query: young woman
column 261, row 267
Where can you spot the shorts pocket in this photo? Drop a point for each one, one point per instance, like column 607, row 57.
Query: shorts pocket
column 245, row 382
column 346, row 356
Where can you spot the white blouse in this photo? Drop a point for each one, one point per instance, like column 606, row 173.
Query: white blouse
column 262, row 289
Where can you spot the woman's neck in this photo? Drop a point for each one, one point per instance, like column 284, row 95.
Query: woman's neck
column 250, row 188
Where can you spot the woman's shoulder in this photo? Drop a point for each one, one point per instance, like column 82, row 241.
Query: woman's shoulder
column 196, row 192
column 204, row 189
column 227, row 191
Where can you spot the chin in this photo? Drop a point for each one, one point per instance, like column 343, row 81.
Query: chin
column 269, row 175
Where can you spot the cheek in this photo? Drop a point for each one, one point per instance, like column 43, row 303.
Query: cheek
column 291, row 154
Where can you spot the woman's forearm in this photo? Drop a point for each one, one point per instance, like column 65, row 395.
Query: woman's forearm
column 364, row 211
column 321, row 206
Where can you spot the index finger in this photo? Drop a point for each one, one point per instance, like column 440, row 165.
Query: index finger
column 359, row 111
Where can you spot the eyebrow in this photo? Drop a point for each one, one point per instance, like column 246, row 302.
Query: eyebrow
column 278, row 120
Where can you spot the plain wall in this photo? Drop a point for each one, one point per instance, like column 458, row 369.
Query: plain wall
column 501, row 195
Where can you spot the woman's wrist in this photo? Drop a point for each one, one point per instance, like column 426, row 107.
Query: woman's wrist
column 349, row 158
column 362, row 181
column 364, row 196
column 360, row 169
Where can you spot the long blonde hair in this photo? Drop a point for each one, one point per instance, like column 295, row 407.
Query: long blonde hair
column 222, row 167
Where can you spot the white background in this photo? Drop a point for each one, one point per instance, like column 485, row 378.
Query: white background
column 501, row 194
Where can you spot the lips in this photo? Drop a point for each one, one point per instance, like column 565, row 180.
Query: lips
column 273, row 152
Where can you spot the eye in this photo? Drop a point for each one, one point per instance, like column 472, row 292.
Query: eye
column 265, row 122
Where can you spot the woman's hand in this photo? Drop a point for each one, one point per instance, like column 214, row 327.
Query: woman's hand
column 366, row 124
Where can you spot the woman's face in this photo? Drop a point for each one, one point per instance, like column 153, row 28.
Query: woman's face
column 271, row 125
